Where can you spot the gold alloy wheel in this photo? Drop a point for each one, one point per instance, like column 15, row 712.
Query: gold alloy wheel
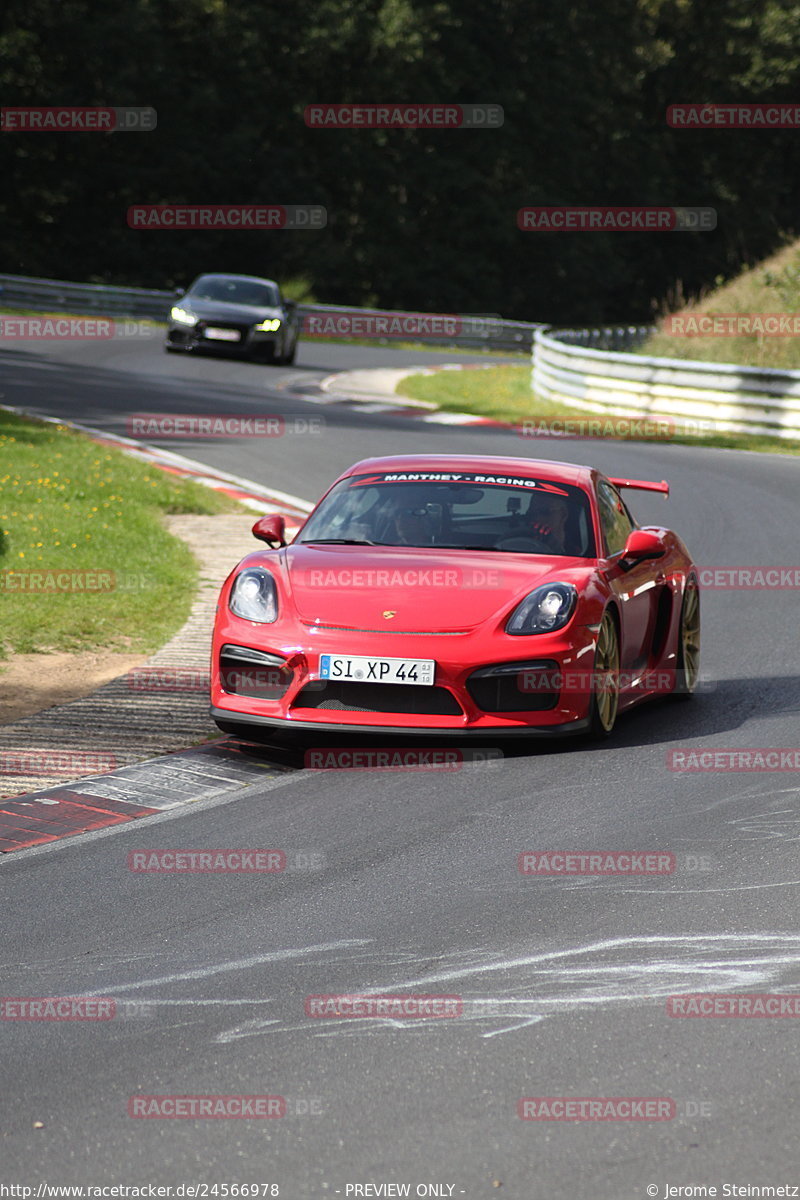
column 689, row 665
column 606, row 676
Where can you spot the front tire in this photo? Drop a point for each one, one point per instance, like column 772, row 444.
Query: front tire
column 688, row 669
column 604, row 702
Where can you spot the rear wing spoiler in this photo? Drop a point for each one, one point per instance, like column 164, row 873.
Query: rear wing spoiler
column 642, row 485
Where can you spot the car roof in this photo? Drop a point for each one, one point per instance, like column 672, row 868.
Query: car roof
column 563, row 472
column 226, row 275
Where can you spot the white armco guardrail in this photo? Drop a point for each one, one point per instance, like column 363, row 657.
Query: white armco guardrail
column 696, row 397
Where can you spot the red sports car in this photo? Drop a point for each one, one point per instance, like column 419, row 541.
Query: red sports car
column 433, row 594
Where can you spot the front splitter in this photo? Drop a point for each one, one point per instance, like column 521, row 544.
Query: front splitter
column 242, row 720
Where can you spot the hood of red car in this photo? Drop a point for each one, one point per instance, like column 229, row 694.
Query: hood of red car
column 409, row 590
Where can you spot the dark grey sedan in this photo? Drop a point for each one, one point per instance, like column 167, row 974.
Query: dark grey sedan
column 239, row 314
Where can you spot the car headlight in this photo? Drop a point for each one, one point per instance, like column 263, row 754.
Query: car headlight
column 546, row 609
column 182, row 316
column 254, row 596
column 269, row 326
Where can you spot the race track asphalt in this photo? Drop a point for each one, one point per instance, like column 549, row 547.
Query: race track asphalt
column 415, row 888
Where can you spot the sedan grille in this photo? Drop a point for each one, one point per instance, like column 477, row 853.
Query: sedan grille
column 379, row 698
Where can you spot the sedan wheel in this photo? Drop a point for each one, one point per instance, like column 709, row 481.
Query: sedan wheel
column 605, row 680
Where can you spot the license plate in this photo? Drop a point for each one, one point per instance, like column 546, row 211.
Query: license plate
column 358, row 669
column 223, row 335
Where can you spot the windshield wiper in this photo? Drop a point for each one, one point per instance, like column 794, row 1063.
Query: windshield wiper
column 337, row 542
column 453, row 546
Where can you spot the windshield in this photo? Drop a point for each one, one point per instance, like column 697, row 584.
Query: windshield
column 467, row 510
column 235, row 291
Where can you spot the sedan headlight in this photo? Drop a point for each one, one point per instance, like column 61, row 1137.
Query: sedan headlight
column 269, row 326
column 546, row 609
column 254, row 596
column 182, row 316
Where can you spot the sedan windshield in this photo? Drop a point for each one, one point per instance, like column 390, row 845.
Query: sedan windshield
column 235, row 291
column 468, row 511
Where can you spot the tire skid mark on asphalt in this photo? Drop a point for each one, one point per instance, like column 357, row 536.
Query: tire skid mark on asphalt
column 678, row 893
column 771, row 823
column 224, row 968
column 559, row 988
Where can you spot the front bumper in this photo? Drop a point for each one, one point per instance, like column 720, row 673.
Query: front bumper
column 192, row 337
column 448, row 707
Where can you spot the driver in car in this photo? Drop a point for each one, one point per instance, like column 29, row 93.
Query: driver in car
column 412, row 523
column 547, row 518
column 414, row 527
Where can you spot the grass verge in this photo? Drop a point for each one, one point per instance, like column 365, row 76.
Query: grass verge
column 70, row 505
column 772, row 286
column 504, row 394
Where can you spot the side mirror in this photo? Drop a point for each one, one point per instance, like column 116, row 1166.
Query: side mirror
column 178, row 292
column 641, row 544
column 291, row 305
column 271, row 530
